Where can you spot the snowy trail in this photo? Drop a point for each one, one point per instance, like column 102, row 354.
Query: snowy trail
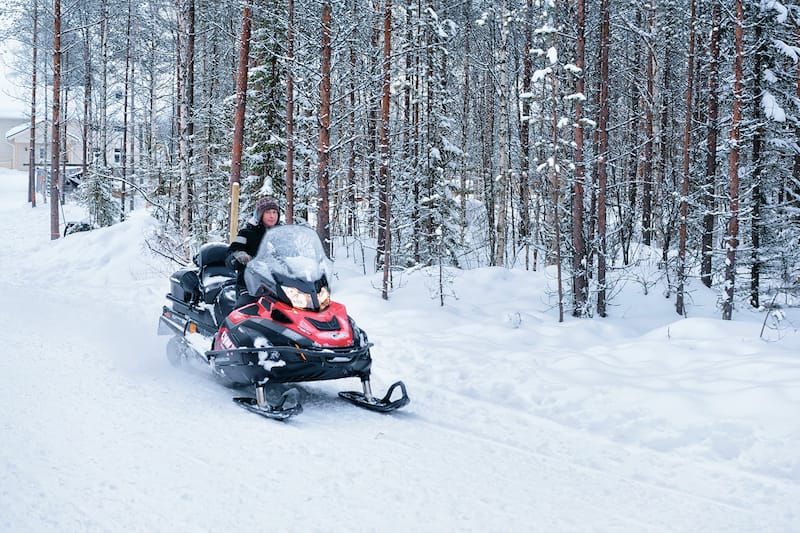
column 163, row 432
column 171, row 442
column 99, row 433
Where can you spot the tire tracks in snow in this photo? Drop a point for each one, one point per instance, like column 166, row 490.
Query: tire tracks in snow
column 572, row 450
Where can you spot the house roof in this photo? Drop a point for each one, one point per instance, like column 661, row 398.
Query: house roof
column 25, row 126
column 17, row 129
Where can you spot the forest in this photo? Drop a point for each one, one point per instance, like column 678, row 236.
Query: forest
column 592, row 139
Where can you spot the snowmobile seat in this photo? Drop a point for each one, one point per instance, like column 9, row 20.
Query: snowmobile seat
column 214, row 274
column 211, row 253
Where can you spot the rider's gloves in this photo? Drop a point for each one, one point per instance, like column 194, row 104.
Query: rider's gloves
column 242, row 256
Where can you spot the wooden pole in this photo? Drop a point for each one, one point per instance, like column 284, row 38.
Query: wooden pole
column 234, row 211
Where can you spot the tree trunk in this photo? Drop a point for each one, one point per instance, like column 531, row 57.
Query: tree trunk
column 323, row 155
column 524, row 135
column 711, row 144
column 579, row 279
column 187, row 131
column 628, row 212
column 430, row 124
column 796, row 168
column 151, row 127
column 124, row 153
column 465, row 119
column 687, row 137
column 416, row 120
column 55, row 147
column 602, row 129
column 104, row 86
column 241, row 102
column 383, row 227
column 555, row 184
column 32, row 142
column 372, row 136
column 795, row 177
column 487, row 148
column 351, row 220
column 731, row 239
column 758, row 170
column 131, row 150
column 661, row 202
column 502, row 138
column 87, row 99
column 647, row 163
column 385, row 179
column 63, row 141
column 290, row 115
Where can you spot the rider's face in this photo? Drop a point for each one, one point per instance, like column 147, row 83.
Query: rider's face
column 269, row 218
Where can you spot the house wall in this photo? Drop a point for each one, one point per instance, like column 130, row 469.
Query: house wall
column 20, row 144
column 7, row 148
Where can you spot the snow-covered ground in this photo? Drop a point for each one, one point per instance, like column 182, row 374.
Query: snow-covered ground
column 639, row 422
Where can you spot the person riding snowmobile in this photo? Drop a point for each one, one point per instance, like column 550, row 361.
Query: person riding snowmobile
column 245, row 246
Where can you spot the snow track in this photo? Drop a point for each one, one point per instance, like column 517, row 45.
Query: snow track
column 106, row 433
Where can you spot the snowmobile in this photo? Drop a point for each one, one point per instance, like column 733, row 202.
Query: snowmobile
column 293, row 332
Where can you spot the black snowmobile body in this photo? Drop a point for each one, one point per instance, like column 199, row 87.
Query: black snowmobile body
column 292, row 333
column 201, row 297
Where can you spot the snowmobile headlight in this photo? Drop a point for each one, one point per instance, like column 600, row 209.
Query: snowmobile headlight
column 299, row 299
column 324, row 298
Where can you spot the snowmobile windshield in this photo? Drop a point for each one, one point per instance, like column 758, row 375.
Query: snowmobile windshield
column 291, row 265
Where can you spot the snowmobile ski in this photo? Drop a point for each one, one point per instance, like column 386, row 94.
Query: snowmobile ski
column 383, row 405
column 288, row 406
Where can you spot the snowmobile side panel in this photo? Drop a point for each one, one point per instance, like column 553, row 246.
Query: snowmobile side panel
column 191, row 320
column 168, row 325
column 286, row 364
column 185, row 285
